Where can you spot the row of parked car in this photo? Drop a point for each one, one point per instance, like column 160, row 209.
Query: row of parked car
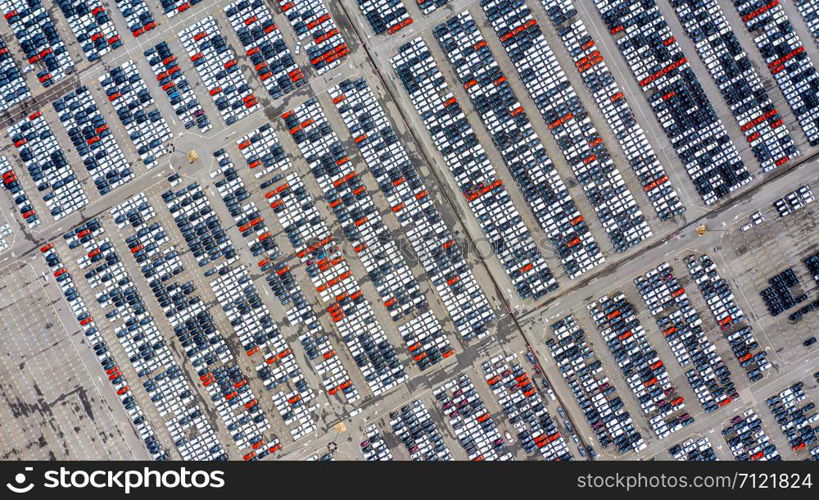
column 174, row 7
column 277, row 368
column 13, row 88
column 385, row 16
column 426, row 340
column 138, row 334
column 38, row 38
column 778, row 297
column 265, row 156
column 374, row 448
column 241, row 412
column 246, row 216
column 133, row 211
column 5, row 237
column 136, row 109
column 199, row 224
column 746, row 349
column 569, row 123
column 161, row 263
column 249, row 316
column 222, row 378
column 642, row 368
column 474, row 174
column 179, row 91
column 93, row 27
column 522, row 151
column 738, row 81
column 47, row 165
column 727, row 313
column 796, row 421
column 809, row 10
column 430, row 6
column 682, row 328
column 105, row 358
column 597, row 397
column 192, row 324
column 189, row 431
column 410, row 201
column 756, row 219
column 715, row 289
column 615, row 108
column 812, row 263
column 748, row 440
column 787, row 59
column 676, row 96
column 523, row 407
column 699, row 450
column 474, row 426
column 800, row 313
column 275, row 66
column 355, row 210
column 128, row 316
column 314, row 340
column 794, row 200
column 137, row 15
column 294, row 410
column 335, row 284
column 417, row 431
column 18, row 194
column 92, row 138
column 219, row 70
column 310, row 18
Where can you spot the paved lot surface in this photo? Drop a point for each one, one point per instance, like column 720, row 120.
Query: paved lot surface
column 57, row 403
column 54, row 405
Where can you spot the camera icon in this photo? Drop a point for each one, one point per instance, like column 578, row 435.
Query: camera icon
column 21, row 485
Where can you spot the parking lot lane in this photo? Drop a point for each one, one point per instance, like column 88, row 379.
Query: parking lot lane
column 790, row 66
